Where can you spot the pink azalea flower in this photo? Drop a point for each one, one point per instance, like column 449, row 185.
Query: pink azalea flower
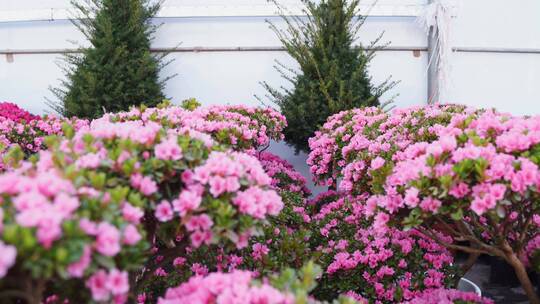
column 131, row 213
column 98, row 286
column 131, row 235
column 168, row 150
column 202, row 222
column 187, row 201
column 107, row 240
column 259, row 250
column 179, row 261
column 164, row 211
column 117, row 282
column 377, row 163
column 77, row 269
column 199, row 237
column 8, row 254
column 430, row 204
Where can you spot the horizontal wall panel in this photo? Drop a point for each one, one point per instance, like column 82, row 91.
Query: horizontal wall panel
column 507, row 82
column 14, row 11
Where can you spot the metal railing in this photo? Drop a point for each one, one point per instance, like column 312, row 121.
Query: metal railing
column 274, row 49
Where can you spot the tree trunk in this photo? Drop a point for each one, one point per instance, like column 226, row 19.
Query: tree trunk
column 38, row 287
column 523, row 277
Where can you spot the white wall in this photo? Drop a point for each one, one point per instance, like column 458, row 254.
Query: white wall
column 506, row 81
column 211, row 77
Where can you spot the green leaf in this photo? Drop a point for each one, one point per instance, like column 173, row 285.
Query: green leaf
column 457, row 215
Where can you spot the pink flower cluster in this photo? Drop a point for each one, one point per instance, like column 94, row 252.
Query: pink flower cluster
column 434, row 165
column 29, row 134
column 103, row 285
column 225, row 173
column 484, row 161
column 448, row 296
column 232, row 176
column 283, row 174
column 8, row 254
column 353, row 143
column 354, row 251
column 42, row 201
column 225, row 288
column 240, row 127
column 11, row 111
column 55, row 212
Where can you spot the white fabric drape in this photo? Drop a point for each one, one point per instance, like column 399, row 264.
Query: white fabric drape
column 437, row 15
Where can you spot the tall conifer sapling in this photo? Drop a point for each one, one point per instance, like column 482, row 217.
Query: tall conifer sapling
column 332, row 74
column 117, row 70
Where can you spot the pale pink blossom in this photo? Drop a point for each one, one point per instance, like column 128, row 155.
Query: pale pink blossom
column 8, row 254
column 107, row 239
column 164, row 211
column 117, row 282
column 131, row 235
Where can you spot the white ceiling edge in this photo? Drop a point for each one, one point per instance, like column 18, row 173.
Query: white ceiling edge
column 51, row 14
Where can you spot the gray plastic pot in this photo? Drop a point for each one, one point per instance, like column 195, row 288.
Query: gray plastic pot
column 469, row 286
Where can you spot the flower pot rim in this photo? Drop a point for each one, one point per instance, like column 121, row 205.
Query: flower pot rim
column 476, row 288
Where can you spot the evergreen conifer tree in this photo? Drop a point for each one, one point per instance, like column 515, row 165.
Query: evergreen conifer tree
column 333, row 69
column 117, row 70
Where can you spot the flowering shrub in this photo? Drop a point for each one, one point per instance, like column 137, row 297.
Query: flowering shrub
column 11, row 111
column 239, row 287
column 385, row 267
column 284, row 241
column 126, row 182
column 353, row 142
column 477, row 181
column 233, row 287
column 448, row 296
column 52, row 228
column 280, row 243
column 238, row 127
column 284, row 176
column 29, row 135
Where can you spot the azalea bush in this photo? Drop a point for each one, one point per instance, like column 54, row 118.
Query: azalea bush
column 351, row 142
column 156, row 188
column 11, row 111
column 237, row 127
column 377, row 267
column 56, row 229
column 481, row 176
column 29, row 135
column 240, row 287
column 436, row 296
column 279, row 244
column 470, row 174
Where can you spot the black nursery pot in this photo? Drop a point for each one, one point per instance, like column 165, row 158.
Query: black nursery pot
column 501, row 273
